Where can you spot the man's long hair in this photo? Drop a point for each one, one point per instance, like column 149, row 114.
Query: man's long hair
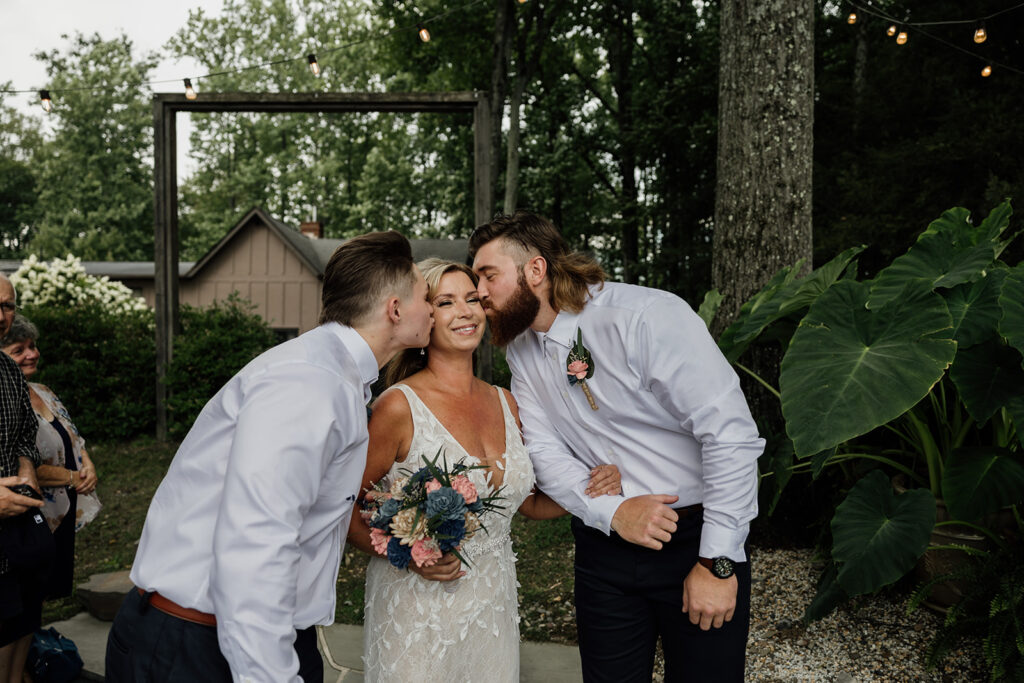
column 526, row 234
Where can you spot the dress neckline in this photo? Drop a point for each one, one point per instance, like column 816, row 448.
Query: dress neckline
column 502, row 461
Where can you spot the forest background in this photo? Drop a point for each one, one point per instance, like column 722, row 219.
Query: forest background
column 609, row 128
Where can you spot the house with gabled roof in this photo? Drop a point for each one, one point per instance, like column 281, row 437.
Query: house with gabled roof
column 276, row 266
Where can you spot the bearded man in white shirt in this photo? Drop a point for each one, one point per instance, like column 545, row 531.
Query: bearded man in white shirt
column 615, row 373
column 240, row 551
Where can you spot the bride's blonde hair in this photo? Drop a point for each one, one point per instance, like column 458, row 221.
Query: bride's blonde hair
column 411, row 361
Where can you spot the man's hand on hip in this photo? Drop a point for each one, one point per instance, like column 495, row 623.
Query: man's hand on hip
column 646, row 520
column 709, row 600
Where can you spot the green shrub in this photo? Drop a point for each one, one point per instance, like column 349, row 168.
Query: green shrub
column 101, row 365
column 214, row 344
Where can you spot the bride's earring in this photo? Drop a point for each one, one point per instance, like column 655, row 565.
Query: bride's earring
column 423, row 352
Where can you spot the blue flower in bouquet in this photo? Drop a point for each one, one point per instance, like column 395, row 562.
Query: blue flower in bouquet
column 446, row 503
column 451, row 533
column 476, row 506
column 399, row 555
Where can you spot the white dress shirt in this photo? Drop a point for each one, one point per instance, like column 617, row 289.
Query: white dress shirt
column 250, row 521
column 670, row 414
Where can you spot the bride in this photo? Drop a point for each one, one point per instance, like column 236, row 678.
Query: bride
column 450, row 622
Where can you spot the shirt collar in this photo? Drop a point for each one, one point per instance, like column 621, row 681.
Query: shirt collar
column 363, row 355
column 563, row 329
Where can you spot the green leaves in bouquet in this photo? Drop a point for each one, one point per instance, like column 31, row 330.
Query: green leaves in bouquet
column 950, row 252
column 849, row 369
column 979, row 481
column 878, row 534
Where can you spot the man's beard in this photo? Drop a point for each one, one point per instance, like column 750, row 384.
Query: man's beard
column 511, row 320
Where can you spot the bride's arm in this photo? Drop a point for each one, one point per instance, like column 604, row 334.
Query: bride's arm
column 391, row 432
column 390, row 435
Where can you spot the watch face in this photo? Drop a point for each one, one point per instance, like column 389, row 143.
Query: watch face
column 722, row 567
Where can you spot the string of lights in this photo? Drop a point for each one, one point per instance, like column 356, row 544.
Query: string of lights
column 420, row 26
column 897, row 27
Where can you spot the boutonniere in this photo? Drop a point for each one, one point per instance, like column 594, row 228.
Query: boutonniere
column 580, row 367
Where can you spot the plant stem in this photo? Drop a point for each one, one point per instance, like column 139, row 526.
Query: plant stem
column 757, row 377
column 931, row 453
column 882, row 459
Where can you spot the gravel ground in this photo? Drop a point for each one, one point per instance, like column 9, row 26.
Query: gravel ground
column 872, row 640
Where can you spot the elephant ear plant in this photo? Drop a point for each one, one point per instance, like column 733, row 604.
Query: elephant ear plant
column 918, row 373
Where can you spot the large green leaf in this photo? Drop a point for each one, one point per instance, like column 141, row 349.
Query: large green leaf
column 829, row 596
column 849, row 370
column 951, row 251
column 987, row 376
column 1015, row 406
column 778, row 460
column 1011, row 325
column 878, row 535
column 728, row 343
column 975, row 308
column 980, row 481
column 709, row 307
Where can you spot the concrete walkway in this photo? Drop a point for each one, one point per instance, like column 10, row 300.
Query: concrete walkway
column 539, row 662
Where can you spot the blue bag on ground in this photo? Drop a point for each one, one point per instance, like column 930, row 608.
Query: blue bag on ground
column 53, row 658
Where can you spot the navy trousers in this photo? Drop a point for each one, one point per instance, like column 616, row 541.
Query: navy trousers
column 146, row 644
column 628, row 597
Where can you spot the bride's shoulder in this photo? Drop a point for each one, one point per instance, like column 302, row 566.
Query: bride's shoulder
column 392, row 406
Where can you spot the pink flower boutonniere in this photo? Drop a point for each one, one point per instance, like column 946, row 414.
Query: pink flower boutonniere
column 580, row 367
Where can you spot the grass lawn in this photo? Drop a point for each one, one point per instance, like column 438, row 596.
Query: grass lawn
column 130, row 473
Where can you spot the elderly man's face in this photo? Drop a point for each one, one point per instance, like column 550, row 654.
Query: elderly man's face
column 7, row 305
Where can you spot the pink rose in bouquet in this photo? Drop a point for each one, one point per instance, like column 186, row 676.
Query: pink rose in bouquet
column 463, row 485
column 425, row 552
column 433, row 485
column 379, row 539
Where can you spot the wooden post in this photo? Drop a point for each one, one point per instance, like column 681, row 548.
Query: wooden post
column 165, row 250
column 483, row 208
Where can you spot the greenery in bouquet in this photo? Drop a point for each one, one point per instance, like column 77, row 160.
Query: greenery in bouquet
column 428, row 512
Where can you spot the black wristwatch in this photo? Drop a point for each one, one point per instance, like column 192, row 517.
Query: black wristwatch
column 720, row 567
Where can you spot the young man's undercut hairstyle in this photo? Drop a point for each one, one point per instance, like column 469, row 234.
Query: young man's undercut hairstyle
column 524, row 235
column 364, row 271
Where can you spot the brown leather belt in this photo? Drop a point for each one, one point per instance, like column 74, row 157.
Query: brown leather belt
column 689, row 510
column 175, row 610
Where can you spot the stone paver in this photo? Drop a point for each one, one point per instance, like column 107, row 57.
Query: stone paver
column 539, row 662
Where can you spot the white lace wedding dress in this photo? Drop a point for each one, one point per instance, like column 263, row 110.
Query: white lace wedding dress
column 414, row 629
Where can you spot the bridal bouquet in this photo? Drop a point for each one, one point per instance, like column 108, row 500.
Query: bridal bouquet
column 427, row 513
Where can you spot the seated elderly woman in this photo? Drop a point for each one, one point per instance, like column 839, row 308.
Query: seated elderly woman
column 66, row 475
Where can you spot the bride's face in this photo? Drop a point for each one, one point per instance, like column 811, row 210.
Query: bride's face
column 458, row 316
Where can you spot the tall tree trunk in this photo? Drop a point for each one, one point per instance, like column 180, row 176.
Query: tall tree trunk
column 860, row 65
column 527, row 62
column 620, row 61
column 504, row 15
column 765, row 145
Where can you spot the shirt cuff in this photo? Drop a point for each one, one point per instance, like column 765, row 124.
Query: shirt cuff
column 600, row 512
column 716, row 541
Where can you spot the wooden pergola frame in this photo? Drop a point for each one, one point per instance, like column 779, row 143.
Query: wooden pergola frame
column 165, row 178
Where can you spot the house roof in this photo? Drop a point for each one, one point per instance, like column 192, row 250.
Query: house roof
column 314, row 253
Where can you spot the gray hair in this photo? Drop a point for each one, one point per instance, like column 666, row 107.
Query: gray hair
column 22, row 329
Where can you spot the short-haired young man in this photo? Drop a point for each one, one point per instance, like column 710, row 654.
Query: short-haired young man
column 239, row 555
column 615, row 373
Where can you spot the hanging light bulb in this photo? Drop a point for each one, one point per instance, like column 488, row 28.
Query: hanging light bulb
column 986, row 72
column 852, row 19
column 891, row 31
column 44, row 99
column 522, row 2
column 901, row 39
column 980, row 35
column 313, row 66
column 424, row 33
column 190, row 93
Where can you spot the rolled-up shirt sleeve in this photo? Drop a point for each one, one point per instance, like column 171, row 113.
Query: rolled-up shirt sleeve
column 559, row 474
column 275, row 470
column 683, row 367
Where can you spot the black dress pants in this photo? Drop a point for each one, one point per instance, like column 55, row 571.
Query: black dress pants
column 627, row 597
column 148, row 645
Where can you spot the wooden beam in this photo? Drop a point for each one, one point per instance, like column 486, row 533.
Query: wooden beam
column 483, row 210
column 165, row 250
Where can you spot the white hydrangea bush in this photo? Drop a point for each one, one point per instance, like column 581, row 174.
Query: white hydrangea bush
column 64, row 283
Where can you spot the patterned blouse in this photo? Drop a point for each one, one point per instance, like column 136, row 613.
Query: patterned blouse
column 17, row 424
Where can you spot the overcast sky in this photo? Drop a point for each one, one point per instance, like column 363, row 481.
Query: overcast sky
column 28, row 26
